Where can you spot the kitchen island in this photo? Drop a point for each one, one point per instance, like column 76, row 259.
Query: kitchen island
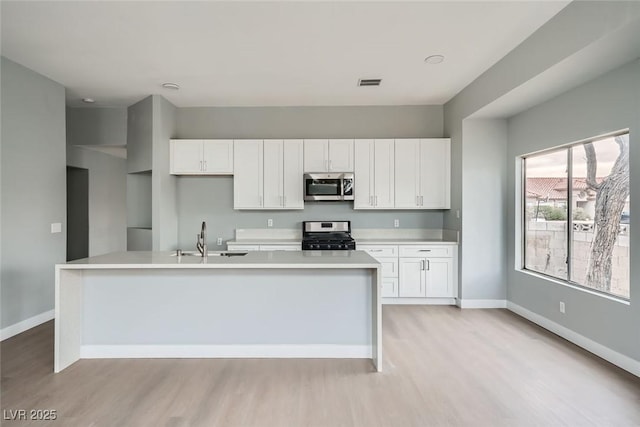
column 308, row 304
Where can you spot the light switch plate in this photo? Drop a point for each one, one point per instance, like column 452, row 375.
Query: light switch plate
column 56, row 227
column 396, row 223
column 270, row 222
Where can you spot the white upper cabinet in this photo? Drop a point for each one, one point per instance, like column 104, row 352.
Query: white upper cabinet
column 341, row 155
column 201, row 157
column 283, row 161
column 292, row 172
column 435, row 173
column 328, row 155
column 268, row 174
column 316, row 155
column 374, row 174
column 217, row 156
column 248, row 174
column 422, row 173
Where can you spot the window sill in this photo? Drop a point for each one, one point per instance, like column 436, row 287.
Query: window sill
column 576, row 287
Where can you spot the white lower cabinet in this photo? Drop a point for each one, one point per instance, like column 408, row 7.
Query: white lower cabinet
column 389, row 287
column 416, row 271
column 411, row 277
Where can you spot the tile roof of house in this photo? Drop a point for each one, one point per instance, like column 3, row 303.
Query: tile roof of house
column 553, row 188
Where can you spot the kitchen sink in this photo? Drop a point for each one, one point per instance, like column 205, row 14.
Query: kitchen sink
column 211, row 254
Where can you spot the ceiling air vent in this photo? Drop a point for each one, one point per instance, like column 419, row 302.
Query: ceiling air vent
column 369, row 82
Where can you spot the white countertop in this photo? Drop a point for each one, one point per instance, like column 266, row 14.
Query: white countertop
column 373, row 241
column 253, row 259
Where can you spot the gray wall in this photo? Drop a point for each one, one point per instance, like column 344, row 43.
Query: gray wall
column 140, row 136
column 310, row 122
column 211, row 199
column 164, row 207
column 484, row 162
column 606, row 104
column 97, row 126
column 558, row 56
column 33, row 188
column 88, row 127
column 107, row 198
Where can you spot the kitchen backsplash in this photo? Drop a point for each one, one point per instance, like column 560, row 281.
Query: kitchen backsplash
column 210, row 199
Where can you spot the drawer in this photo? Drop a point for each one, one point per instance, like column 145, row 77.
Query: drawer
column 379, row 251
column 389, row 266
column 440, row 251
column 389, row 288
column 242, row 247
column 280, row 247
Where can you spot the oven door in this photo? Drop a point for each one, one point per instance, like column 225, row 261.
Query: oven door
column 323, row 186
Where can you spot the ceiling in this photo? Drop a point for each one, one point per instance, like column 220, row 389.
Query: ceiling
column 266, row 53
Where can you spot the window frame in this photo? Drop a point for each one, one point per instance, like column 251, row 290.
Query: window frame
column 521, row 210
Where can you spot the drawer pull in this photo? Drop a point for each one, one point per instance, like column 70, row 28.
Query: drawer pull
column 375, row 250
column 424, row 250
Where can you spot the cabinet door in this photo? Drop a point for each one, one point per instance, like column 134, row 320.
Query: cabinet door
column 293, row 161
column 316, row 155
column 217, row 156
column 341, row 155
column 389, row 288
column 412, row 277
column 273, row 182
column 248, row 174
column 363, row 171
column 186, row 157
column 435, row 173
column 439, row 277
column 407, row 172
column 383, row 175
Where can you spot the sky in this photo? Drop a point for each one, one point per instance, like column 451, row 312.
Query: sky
column 555, row 164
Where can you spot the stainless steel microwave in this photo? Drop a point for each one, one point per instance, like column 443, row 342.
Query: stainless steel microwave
column 328, row 186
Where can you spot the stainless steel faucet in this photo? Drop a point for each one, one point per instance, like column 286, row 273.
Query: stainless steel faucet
column 201, row 243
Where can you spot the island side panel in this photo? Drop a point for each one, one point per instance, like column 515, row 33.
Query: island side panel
column 68, row 317
column 229, row 313
column 376, row 318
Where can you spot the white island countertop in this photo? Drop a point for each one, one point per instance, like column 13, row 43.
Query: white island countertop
column 253, row 259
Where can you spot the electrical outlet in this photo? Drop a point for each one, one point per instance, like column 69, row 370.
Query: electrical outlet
column 219, row 241
column 458, row 213
column 270, row 222
column 562, row 307
column 396, row 223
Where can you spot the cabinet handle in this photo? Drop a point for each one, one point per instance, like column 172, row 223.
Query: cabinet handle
column 330, row 165
column 421, row 264
column 421, row 200
column 201, row 165
column 428, row 265
column 424, row 250
column 205, row 165
column 376, row 199
column 375, row 250
column 417, row 201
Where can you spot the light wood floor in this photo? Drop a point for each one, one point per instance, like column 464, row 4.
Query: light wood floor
column 442, row 367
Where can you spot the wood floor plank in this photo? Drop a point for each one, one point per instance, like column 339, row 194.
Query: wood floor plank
column 442, row 367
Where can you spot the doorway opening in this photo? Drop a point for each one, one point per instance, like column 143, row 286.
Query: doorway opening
column 77, row 213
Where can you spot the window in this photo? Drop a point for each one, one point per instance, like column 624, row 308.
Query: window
column 576, row 214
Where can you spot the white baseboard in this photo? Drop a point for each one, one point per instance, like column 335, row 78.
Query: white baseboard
column 26, row 324
column 482, row 303
column 418, row 301
column 618, row 359
column 225, row 351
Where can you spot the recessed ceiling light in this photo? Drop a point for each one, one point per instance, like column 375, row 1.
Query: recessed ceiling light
column 88, row 100
column 173, row 86
column 434, row 59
